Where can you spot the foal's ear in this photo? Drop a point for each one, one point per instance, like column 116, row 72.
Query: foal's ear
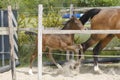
column 73, row 17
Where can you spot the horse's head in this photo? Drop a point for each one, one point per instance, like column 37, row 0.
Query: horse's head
column 73, row 24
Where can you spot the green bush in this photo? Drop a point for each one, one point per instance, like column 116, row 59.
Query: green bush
column 88, row 3
column 25, row 42
column 53, row 18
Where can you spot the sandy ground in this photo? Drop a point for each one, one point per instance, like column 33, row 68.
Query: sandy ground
column 86, row 73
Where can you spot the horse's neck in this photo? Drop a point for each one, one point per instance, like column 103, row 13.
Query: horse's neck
column 72, row 36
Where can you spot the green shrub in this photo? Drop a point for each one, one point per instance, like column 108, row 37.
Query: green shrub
column 25, row 42
column 53, row 18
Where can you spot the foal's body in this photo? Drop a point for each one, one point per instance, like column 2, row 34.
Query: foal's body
column 61, row 42
column 101, row 19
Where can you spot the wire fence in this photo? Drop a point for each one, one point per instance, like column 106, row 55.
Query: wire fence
column 100, row 56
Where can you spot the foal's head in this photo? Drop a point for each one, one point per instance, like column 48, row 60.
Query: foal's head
column 73, row 24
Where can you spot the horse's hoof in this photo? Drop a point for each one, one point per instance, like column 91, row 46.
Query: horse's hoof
column 98, row 70
column 60, row 67
column 75, row 73
column 30, row 72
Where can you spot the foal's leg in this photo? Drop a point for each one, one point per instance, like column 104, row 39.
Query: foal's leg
column 75, row 49
column 98, row 48
column 32, row 58
column 67, row 55
column 81, row 53
column 84, row 46
column 53, row 60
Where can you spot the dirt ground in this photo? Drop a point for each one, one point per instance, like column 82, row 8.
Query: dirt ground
column 110, row 72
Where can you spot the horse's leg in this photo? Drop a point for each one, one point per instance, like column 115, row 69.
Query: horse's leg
column 98, row 48
column 91, row 41
column 32, row 58
column 84, row 46
column 80, row 54
column 75, row 49
column 53, row 60
column 70, row 55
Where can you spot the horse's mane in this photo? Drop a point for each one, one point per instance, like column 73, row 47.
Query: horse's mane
column 89, row 15
column 70, row 20
column 66, row 24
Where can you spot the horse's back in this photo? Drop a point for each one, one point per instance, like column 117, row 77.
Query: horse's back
column 57, row 41
column 106, row 19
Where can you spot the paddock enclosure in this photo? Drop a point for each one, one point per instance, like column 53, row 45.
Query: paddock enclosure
column 4, row 40
column 111, row 70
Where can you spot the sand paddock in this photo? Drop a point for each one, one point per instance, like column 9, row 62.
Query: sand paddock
column 110, row 72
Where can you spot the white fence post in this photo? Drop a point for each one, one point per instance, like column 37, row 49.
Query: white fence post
column 40, row 10
column 12, row 57
column 71, row 10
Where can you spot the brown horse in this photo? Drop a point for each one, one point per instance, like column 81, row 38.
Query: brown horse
column 101, row 19
column 58, row 41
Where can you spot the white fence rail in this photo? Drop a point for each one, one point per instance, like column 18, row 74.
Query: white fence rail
column 83, row 9
column 81, row 31
column 4, row 31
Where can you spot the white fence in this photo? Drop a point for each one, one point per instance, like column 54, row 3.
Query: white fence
column 42, row 31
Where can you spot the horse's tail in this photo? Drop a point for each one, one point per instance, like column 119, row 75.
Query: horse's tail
column 30, row 33
column 89, row 15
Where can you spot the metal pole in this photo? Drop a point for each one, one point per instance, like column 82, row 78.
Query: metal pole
column 2, row 36
column 40, row 10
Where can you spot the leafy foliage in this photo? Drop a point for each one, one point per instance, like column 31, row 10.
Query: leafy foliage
column 26, row 42
column 88, row 3
column 52, row 18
